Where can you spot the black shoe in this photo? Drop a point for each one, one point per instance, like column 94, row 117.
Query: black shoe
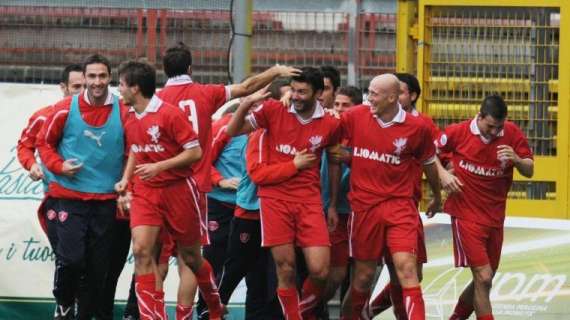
column 63, row 313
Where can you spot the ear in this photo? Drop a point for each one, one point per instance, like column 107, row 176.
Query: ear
column 63, row 88
column 413, row 96
column 189, row 70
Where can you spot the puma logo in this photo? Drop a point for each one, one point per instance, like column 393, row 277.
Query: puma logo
column 93, row 136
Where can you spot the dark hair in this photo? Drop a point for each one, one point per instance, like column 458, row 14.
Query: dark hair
column 76, row 67
column 276, row 85
column 177, row 60
column 413, row 84
column 94, row 59
column 354, row 93
column 494, row 106
column 312, row 76
column 139, row 74
column 333, row 74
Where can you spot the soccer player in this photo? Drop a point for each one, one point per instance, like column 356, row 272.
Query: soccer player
column 291, row 211
column 200, row 102
column 346, row 97
column 331, row 77
column 72, row 82
column 162, row 147
column 81, row 144
column 484, row 151
column 386, row 145
column 392, row 293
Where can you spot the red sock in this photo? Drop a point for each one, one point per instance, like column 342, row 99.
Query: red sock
column 381, row 302
column 209, row 290
column 159, row 307
column 183, row 312
column 414, row 303
column 310, row 297
column 145, row 291
column 358, row 300
column 462, row 310
column 396, row 296
column 486, row 317
column 289, row 299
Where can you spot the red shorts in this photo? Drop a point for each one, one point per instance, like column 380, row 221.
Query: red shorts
column 173, row 207
column 421, row 255
column 168, row 248
column 203, row 210
column 476, row 245
column 391, row 225
column 284, row 222
column 339, row 242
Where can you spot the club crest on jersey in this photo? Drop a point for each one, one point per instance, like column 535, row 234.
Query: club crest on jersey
column 315, row 142
column 443, row 140
column 93, row 136
column 213, row 225
column 244, row 237
column 400, row 145
column 154, row 133
column 62, row 216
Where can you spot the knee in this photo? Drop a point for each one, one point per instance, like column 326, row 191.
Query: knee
column 337, row 275
column 483, row 278
column 142, row 253
column 407, row 270
column 286, row 270
column 191, row 258
column 320, row 272
column 363, row 278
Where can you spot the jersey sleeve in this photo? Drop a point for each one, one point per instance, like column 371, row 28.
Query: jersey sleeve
column 446, row 140
column 219, row 94
column 259, row 171
column 261, row 116
column 27, row 143
column 221, row 139
column 425, row 152
column 50, row 136
column 345, row 127
column 520, row 145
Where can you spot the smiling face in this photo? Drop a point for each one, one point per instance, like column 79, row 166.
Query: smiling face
column 97, row 79
column 303, row 96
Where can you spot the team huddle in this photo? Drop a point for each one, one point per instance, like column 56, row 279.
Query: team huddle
column 301, row 188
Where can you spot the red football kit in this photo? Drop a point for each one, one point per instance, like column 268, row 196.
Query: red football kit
column 171, row 197
column 382, row 188
column 291, row 211
column 478, row 211
column 199, row 102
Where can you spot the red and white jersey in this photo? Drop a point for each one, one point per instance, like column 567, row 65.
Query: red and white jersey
column 199, row 102
column 287, row 133
column 384, row 155
column 160, row 133
column 434, row 132
column 27, row 142
column 486, row 180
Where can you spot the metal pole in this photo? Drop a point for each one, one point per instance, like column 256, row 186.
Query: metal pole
column 352, row 68
column 241, row 51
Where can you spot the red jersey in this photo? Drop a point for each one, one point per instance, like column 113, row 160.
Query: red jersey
column 199, row 102
column 27, row 143
column 159, row 133
column 52, row 132
column 384, row 155
column 262, row 173
column 434, row 133
column 221, row 139
column 287, row 134
column 486, row 180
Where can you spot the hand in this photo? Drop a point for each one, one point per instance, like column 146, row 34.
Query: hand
column 286, row 71
column 121, row 186
column 450, row 183
column 505, row 152
column 332, row 218
column 124, row 204
column 433, row 207
column 231, row 183
column 333, row 113
column 70, row 167
column 36, row 172
column 148, row 170
column 339, row 154
column 286, row 99
column 304, row 160
column 257, row 96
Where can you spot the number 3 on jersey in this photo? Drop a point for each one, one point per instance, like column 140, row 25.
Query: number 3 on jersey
column 189, row 106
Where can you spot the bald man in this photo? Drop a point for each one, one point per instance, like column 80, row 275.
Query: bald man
column 386, row 145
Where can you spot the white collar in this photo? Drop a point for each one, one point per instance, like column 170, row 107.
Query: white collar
column 179, row 80
column 415, row 112
column 108, row 100
column 318, row 113
column 474, row 128
column 153, row 106
column 400, row 117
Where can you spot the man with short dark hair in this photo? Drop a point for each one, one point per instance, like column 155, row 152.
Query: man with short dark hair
column 72, row 82
column 331, row 77
column 291, row 211
column 484, row 152
column 82, row 146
